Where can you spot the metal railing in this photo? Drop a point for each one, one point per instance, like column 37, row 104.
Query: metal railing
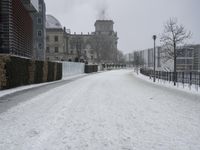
column 189, row 78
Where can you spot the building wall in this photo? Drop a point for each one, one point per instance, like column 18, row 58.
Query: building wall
column 185, row 59
column 98, row 47
column 16, row 28
column 80, row 48
column 56, row 49
column 21, row 30
column 188, row 59
column 196, row 58
column 5, row 15
column 104, row 26
column 39, row 20
column 106, row 41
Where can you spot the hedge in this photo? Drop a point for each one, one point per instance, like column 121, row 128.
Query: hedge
column 91, row 68
column 17, row 71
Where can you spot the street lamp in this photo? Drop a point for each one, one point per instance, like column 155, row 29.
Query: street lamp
column 154, row 59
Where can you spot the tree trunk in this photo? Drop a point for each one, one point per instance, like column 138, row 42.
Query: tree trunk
column 175, row 56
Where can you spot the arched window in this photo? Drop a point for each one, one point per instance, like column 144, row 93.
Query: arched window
column 39, row 33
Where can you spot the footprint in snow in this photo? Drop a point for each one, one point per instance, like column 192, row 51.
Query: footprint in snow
column 33, row 133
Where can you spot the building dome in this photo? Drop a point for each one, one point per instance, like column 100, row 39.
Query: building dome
column 52, row 22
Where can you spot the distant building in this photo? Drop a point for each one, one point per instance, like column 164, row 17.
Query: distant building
column 56, row 40
column 188, row 58
column 106, row 41
column 145, row 58
column 80, row 48
column 196, row 60
column 97, row 47
column 39, row 28
column 185, row 58
column 16, row 27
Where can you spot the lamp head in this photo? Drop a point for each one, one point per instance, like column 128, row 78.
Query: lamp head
column 154, row 37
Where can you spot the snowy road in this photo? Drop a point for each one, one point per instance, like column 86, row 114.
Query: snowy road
column 107, row 111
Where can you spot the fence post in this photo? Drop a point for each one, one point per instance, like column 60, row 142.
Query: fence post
column 167, row 76
column 195, row 82
column 199, row 79
column 190, row 80
column 172, row 76
column 183, row 79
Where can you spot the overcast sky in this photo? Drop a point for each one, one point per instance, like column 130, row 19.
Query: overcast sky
column 135, row 20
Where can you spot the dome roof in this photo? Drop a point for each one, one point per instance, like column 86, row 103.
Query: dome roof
column 52, row 22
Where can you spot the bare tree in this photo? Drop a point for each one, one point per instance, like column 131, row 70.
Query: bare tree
column 172, row 36
column 104, row 48
column 120, row 57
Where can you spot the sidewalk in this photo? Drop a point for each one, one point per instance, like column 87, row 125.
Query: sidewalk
column 179, row 86
column 22, row 88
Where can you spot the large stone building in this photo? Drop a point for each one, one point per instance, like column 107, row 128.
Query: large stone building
column 56, row 40
column 105, row 41
column 16, row 27
column 80, row 48
column 96, row 47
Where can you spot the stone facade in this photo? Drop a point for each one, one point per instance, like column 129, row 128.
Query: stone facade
column 56, row 40
column 56, row 49
column 80, row 48
column 96, row 47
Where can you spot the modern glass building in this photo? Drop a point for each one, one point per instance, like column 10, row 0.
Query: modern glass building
column 16, row 27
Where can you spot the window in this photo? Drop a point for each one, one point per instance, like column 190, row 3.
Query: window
column 92, row 52
column 48, row 50
column 39, row 33
column 40, row 7
column 40, row 46
column 56, row 38
column 39, row 20
column 71, row 46
column 56, row 49
column 47, row 38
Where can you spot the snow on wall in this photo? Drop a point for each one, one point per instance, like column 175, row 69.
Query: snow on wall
column 72, row 68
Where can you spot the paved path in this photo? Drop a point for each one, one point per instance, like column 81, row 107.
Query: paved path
column 15, row 98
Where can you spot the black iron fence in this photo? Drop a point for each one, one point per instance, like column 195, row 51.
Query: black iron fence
column 190, row 78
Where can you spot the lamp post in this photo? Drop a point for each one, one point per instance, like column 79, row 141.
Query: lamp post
column 154, row 59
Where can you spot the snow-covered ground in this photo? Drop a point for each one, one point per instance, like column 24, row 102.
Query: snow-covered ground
column 107, row 111
column 17, row 89
column 195, row 89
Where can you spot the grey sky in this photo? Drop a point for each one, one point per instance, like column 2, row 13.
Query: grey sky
column 135, row 20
